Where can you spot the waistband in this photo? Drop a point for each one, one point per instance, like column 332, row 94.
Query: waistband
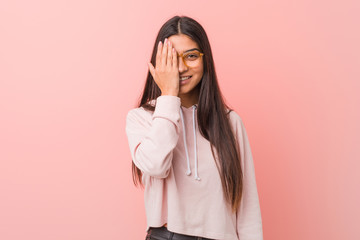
column 165, row 233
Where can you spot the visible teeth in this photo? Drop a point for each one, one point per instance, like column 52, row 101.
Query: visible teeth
column 184, row 78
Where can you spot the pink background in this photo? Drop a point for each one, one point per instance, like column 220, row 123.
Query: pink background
column 70, row 71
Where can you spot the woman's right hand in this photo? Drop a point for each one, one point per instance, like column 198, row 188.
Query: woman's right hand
column 166, row 73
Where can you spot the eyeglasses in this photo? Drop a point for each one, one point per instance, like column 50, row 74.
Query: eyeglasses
column 191, row 59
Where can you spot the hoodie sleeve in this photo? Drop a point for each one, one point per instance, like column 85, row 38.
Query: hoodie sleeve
column 248, row 217
column 152, row 143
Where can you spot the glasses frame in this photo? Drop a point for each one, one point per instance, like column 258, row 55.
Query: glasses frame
column 183, row 57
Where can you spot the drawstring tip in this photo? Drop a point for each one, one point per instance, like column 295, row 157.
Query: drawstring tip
column 197, row 178
column 188, row 172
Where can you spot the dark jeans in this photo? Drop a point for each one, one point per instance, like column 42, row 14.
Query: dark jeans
column 162, row 233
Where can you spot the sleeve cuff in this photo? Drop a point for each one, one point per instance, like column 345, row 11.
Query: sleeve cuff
column 168, row 107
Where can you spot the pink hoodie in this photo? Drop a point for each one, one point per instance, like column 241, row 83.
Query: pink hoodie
column 182, row 184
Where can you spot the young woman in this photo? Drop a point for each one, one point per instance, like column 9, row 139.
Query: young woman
column 188, row 148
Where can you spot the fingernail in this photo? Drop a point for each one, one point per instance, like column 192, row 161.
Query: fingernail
column 159, row 42
column 165, row 40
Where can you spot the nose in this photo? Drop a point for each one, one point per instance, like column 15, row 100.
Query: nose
column 182, row 66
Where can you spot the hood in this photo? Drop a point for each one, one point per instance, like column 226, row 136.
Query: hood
column 188, row 172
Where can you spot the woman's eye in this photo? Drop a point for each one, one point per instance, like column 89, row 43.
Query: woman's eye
column 192, row 56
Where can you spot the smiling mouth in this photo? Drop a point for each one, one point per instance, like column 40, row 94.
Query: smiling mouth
column 186, row 78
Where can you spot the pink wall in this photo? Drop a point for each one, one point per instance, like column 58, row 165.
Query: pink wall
column 70, row 71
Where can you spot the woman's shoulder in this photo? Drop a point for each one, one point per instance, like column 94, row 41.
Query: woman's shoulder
column 234, row 116
column 144, row 111
column 236, row 123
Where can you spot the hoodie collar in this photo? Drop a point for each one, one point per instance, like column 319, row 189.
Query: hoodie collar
column 189, row 108
column 193, row 108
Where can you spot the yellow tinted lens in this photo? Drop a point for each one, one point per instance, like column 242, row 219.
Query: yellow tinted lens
column 192, row 58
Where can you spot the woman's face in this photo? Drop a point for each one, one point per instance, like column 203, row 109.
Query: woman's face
column 183, row 44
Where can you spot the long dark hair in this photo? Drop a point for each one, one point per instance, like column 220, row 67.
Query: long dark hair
column 212, row 114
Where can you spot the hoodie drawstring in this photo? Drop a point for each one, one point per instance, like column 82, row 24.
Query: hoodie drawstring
column 188, row 172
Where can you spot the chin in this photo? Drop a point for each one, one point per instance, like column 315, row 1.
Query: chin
column 186, row 89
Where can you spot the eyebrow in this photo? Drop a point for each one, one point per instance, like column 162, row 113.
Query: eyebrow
column 192, row 50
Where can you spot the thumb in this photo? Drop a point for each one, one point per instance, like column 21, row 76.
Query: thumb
column 151, row 68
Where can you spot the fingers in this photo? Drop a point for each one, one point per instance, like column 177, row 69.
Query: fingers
column 174, row 59
column 164, row 54
column 158, row 55
column 169, row 54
